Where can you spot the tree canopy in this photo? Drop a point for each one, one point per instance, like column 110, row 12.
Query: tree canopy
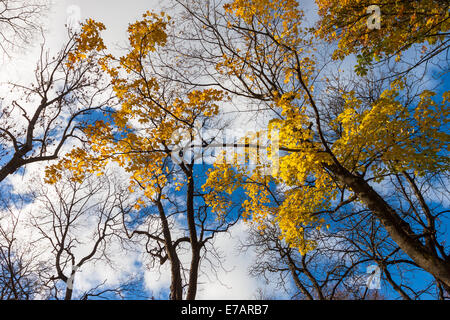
column 342, row 152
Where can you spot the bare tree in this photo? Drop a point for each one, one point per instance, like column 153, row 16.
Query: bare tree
column 37, row 120
column 76, row 222
column 338, row 268
column 20, row 268
column 20, row 20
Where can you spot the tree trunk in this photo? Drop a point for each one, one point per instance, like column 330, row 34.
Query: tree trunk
column 69, row 293
column 11, row 167
column 176, row 286
column 195, row 246
column 398, row 229
column 193, row 274
column 297, row 282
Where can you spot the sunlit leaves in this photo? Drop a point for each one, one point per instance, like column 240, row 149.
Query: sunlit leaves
column 403, row 23
column 89, row 40
column 140, row 132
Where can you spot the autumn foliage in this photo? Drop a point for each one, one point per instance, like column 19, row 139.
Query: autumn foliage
column 324, row 163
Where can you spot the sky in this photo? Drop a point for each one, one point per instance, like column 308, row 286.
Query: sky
column 231, row 281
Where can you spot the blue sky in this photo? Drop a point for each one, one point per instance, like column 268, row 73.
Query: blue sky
column 116, row 15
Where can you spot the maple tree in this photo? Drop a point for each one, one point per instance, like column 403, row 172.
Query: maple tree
column 403, row 25
column 335, row 160
column 337, row 151
column 142, row 135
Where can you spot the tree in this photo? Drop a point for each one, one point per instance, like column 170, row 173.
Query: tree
column 77, row 222
column 341, row 146
column 332, row 162
column 19, row 21
column 404, row 24
column 142, row 136
column 20, row 269
column 332, row 271
column 37, row 120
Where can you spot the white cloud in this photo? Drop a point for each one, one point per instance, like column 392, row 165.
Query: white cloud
column 157, row 281
column 232, row 281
